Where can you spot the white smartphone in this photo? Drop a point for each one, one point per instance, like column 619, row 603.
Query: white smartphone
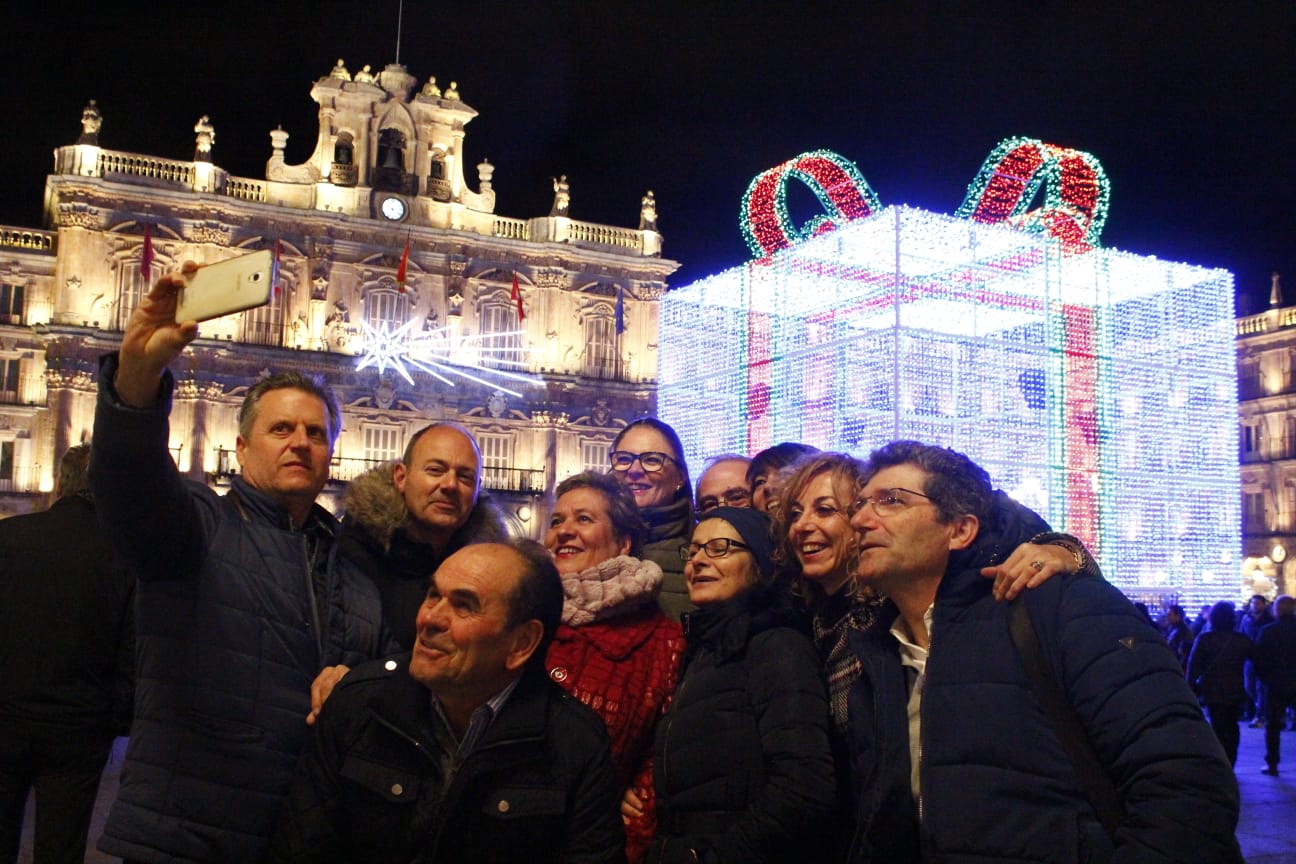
column 227, row 287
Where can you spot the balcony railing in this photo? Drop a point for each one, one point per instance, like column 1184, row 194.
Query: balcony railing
column 344, row 469
column 526, row 481
column 132, row 165
column 1278, row 447
column 20, row 478
column 1273, row 319
column 603, row 368
column 1260, row 386
column 14, row 397
column 512, row 229
column 27, row 238
column 246, row 190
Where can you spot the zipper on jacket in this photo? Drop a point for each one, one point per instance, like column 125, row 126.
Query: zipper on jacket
column 314, row 602
column 922, row 735
column 666, row 739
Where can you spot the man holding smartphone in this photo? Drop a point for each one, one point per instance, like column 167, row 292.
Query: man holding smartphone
column 244, row 605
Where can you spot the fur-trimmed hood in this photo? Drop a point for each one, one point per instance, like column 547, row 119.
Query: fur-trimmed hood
column 374, row 510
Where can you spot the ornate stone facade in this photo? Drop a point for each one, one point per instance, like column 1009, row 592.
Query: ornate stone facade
column 1266, row 350
column 387, row 174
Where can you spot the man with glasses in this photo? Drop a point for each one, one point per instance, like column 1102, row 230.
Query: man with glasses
column 723, row 483
column 991, row 778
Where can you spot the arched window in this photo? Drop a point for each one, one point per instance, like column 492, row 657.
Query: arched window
column 501, row 341
column 132, row 286
column 385, row 306
column 382, row 442
column 389, row 167
column 343, row 149
column 11, row 304
column 263, row 325
column 601, row 355
column 594, row 455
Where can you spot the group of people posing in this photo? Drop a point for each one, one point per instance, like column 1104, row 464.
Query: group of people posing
column 808, row 655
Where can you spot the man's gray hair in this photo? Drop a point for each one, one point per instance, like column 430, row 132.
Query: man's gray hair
column 290, row 381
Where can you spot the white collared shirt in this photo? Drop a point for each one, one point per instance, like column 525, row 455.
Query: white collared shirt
column 914, row 657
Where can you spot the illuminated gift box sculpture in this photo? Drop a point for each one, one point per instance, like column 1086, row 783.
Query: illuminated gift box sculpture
column 1097, row 387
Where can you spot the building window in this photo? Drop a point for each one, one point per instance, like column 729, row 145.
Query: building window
column 1250, row 439
column 501, row 341
column 382, row 443
column 263, row 325
column 131, row 288
column 9, row 379
column 11, row 304
column 6, row 460
column 385, row 307
column 497, row 460
column 601, row 346
column 1254, row 512
column 594, row 456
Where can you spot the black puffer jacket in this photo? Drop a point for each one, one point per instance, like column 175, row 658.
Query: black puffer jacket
column 373, row 537
column 1215, row 666
column 996, row 783
column 538, row 787
column 67, row 626
column 744, row 771
column 233, row 625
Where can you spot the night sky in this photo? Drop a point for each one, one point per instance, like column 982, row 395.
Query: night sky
column 1191, row 107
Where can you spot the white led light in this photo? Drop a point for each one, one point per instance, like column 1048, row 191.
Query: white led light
column 1099, row 386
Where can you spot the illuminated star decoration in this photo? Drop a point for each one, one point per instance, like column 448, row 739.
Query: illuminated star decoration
column 438, row 354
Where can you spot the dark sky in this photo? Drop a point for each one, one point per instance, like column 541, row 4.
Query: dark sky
column 1191, row 107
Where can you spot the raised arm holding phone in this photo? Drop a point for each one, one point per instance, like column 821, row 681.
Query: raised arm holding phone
column 243, row 599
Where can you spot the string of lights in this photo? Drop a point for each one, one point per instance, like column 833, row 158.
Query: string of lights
column 443, row 357
column 1097, row 386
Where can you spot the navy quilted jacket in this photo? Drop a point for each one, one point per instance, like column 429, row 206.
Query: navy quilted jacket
column 996, row 783
column 228, row 643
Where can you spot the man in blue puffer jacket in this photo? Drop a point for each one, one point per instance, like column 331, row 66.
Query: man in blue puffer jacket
column 243, row 600
column 953, row 759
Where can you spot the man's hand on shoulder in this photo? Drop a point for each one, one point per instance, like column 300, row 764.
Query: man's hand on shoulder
column 322, row 686
column 152, row 340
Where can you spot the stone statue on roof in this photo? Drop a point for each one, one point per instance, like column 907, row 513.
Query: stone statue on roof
column 648, row 212
column 562, row 196
column 91, row 120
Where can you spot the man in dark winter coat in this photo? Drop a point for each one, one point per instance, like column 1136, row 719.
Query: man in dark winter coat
column 1275, row 662
column 67, row 658
column 403, row 520
column 243, row 600
column 1258, row 616
column 991, row 779
column 1178, row 634
column 464, row 751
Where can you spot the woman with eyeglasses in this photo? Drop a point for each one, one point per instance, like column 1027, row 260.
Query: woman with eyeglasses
column 647, row 458
column 743, row 769
column 614, row 650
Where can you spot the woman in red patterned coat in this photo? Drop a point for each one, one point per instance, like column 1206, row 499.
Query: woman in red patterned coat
column 615, row 650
